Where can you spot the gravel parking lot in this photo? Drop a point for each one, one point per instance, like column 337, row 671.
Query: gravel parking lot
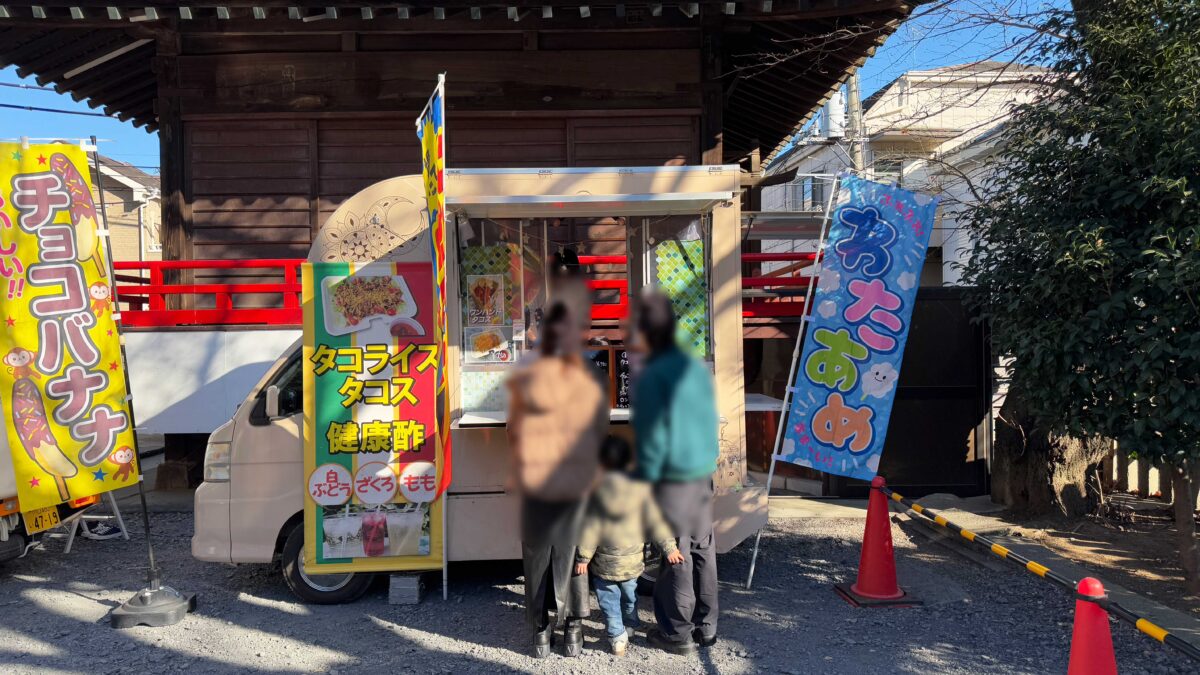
column 974, row 620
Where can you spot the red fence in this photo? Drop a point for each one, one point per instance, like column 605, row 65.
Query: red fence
column 150, row 300
column 147, row 293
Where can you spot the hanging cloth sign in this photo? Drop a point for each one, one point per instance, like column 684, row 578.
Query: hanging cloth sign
column 372, row 457
column 62, row 382
column 847, row 375
column 431, row 132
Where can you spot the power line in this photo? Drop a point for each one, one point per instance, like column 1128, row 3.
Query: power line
column 27, row 86
column 31, row 108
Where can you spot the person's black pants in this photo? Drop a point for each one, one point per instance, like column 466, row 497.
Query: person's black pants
column 685, row 595
column 549, row 534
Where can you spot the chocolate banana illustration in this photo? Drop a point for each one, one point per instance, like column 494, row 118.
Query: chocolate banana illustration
column 29, row 418
column 83, row 212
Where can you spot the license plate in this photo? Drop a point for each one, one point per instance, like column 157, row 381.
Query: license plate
column 41, row 519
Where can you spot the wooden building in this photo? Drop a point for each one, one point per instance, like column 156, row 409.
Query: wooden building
column 271, row 113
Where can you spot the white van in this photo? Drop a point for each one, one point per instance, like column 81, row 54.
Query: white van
column 250, row 507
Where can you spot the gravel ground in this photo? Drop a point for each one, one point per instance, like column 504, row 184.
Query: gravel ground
column 975, row 620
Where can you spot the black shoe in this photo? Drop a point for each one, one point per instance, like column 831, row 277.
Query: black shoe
column 573, row 638
column 655, row 638
column 541, row 642
column 698, row 636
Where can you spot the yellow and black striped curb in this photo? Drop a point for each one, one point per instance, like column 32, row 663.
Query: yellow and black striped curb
column 1113, row 608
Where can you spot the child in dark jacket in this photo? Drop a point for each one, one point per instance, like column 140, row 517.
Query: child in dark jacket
column 621, row 516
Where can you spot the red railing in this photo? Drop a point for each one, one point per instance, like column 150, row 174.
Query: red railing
column 608, row 311
column 146, row 294
column 787, row 298
column 144, row 291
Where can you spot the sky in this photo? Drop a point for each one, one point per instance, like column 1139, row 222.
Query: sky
column 118, row 139
column 945, row 35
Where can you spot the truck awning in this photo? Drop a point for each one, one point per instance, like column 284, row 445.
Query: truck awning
column 576, row 191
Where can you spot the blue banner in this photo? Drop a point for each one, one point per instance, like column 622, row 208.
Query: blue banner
column 846, row 378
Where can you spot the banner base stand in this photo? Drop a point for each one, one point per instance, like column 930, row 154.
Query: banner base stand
column 154, row 607
column 848, row 594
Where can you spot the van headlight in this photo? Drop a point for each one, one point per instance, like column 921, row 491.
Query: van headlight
column 216, row 462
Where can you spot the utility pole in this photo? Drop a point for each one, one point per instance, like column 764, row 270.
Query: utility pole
column 857, row 134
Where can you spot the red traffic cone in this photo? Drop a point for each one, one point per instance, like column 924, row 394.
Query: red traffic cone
column 876, row 584
column 1091, row 640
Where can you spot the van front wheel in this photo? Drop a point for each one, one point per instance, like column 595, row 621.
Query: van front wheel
column 318, row 589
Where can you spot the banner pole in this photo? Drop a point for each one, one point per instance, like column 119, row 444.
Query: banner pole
column 155, row 605
column 786, row 406
column 152, row 577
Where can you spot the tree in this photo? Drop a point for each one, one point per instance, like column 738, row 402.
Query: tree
column 1087, row 256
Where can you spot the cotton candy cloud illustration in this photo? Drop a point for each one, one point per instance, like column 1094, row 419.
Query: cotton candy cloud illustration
column 829, row 280
column 879, row 380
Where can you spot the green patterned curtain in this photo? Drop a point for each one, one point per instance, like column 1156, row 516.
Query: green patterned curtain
column 679, row 268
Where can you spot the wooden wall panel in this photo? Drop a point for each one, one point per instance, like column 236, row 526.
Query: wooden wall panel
column 649, row 141
column 250, row 188
column 261, row 188
column 357, row 81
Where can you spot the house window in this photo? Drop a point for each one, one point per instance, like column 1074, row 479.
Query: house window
column 889, row 170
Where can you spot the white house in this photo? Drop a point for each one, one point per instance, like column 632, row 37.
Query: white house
column 934, row 131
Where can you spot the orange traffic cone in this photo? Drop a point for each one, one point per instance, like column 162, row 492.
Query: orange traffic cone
column 1091, row 640
column 876, row 584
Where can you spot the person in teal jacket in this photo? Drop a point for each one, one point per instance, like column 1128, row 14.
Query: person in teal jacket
column 675, row 419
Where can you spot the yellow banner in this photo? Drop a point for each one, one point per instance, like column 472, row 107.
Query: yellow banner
column 62, row 383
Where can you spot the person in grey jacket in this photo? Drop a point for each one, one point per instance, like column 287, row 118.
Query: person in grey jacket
column 621, row 516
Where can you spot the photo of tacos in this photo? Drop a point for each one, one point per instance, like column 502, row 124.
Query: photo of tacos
column 485, row 299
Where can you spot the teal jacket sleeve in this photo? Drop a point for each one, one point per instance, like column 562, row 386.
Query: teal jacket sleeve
column 651, row 423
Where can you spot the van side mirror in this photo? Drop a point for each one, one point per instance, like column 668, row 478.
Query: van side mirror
column 272, row 402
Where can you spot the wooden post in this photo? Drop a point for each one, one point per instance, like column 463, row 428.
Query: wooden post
column 1165, row 482
column 1143, row 477
column 1106, row 470
column 176, row 230
column 712, row 121
column 1122, row 461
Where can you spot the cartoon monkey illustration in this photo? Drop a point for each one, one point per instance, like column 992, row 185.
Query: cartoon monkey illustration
column 101, row 298
column 123, row 458
column 18, row 361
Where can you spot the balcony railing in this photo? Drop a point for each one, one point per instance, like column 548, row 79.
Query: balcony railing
column 151, row 300
column 165, row 293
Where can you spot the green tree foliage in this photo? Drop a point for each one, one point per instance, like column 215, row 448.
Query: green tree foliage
column 1087, row 261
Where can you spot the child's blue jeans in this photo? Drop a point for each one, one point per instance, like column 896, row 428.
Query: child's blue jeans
column 618, row 602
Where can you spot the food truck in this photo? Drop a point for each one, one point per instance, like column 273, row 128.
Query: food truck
column 674, row 227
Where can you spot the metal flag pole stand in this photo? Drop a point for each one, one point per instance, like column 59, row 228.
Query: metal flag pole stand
column 155, row 605
column 786, row 407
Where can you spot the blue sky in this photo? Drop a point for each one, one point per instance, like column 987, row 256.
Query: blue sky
column 118, row 139
column 946, row 35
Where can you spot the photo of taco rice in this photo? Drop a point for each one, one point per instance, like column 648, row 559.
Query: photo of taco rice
column 360, row 297
column 487, row 345
column 487, row 341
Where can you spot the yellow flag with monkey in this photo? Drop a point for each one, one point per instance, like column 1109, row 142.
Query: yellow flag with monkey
column 62, row 383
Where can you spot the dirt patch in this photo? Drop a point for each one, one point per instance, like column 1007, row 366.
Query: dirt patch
column 1135, row 548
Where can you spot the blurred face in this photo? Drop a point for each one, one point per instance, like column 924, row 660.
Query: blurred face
column 656, row 325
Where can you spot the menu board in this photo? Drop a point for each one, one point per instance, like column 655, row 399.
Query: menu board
column 372, row 454
column 623, row 382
